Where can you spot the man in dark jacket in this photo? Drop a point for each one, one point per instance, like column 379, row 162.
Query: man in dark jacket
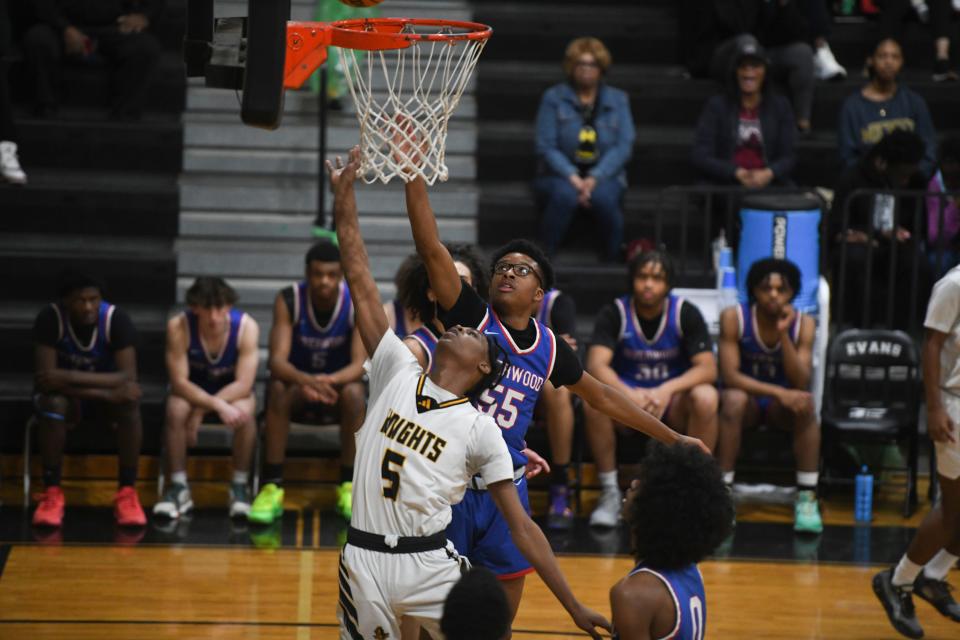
column 746, row 135
column 85, row 30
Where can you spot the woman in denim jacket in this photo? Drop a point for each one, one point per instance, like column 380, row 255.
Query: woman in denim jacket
column 585, row 137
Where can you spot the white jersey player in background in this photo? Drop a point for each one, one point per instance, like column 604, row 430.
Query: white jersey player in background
column 418, row 448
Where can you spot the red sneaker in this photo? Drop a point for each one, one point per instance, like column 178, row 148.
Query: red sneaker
column 127, row 509
column 49, row 512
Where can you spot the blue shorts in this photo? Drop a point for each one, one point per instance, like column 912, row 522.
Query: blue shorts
column 479, row 532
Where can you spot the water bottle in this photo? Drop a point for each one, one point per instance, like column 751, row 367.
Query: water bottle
column 727, row 292
column 863, row 502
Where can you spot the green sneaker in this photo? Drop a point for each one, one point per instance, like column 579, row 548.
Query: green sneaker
column 268, row 505
column 806, row 513
column 345, row 500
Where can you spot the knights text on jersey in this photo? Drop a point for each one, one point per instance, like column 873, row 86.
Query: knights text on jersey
column 418, row 448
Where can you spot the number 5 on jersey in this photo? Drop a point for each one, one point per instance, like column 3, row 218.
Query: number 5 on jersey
column 503, row 405
column 391, row 476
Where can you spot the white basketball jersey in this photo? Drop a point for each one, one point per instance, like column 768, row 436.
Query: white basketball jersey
column 418, row 448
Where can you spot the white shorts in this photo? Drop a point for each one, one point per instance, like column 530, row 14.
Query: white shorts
column 948, row 453
column 376, row 589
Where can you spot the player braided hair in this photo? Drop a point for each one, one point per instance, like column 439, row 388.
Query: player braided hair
column 499, row 362
column 681, row 511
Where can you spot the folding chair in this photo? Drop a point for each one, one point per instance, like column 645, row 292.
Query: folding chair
column 872, row 394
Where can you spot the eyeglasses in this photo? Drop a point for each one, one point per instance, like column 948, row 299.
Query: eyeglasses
column 520, row 269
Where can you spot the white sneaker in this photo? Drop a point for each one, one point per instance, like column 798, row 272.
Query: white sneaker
column 176, row 501
column 9, row 164
column 607, row 512
column 239, row 501
column 825, row 66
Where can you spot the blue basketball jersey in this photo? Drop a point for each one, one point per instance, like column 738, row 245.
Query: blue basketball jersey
column 93, row 357
column 428, row 341
column 512, row 402
column 321, row 349
column 546, row 307
column 213, row 372
column 400, row 319
column 686, row 589
column 757, row 360
column 640, row 362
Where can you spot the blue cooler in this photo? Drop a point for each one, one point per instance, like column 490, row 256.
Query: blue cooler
column 782, row 226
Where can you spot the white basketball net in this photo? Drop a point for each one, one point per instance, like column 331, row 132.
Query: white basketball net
column 404, row 100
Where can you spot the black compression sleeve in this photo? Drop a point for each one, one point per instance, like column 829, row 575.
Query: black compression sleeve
column 696, row 336
column 467, row 311
column 46, row 327
column 122, row 332
column 606, row 328
column 563, row 316
column 567, row 368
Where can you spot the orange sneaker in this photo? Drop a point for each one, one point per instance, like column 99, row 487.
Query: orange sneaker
column 49, row 511
column 127, row 509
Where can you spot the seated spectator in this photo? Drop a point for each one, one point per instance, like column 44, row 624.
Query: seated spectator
column 476, row 608
column 938, row 13
column 84, row 31
column 10, row 169
column 211, row 356
column 766, row 360
column 881, row 106
column 874, row 220
column 316, row 366
column 86, row 369
column 559, row 312
column 945, row 211
column 718, row 31
column 664, row 596
column 825, row 65
column 415, row 294
column 745, row 136
column 655, row 347
column 584, row 139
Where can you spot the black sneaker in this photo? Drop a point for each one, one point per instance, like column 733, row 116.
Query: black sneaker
column 937, row 593
column 898, row 603
column 943, row 73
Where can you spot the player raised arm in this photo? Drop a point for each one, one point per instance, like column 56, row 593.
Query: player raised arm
column 617, row 405
column 534, row 546
column 444, row 279
column 371, row 320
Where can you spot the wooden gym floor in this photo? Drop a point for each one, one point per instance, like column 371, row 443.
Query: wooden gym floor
column 210, row 578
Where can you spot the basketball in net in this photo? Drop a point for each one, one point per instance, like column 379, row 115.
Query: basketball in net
column 406, row 77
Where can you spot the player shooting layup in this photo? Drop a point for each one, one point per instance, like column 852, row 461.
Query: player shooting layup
column 419, row 446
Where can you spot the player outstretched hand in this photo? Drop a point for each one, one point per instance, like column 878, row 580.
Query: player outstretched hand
column 343, row 175
column 589, row 620
column 535, row 463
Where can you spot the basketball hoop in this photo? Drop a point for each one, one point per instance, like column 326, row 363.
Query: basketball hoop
column 405, row 88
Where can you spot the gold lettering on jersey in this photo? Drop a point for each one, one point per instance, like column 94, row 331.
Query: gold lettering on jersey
column 413, row 436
